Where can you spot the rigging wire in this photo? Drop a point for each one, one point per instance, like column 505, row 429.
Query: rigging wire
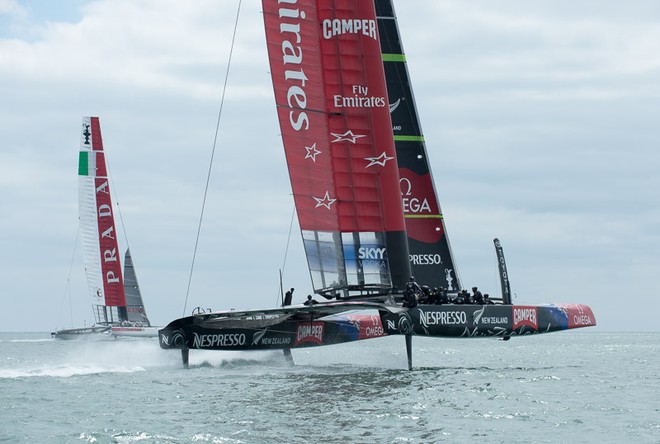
column 116, row 193
column 286, row 252
column 67, row 287
column 215, row 140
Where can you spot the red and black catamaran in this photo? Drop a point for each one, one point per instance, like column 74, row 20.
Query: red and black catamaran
column 365, row 199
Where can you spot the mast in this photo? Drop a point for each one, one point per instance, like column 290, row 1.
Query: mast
column 97, row 227
column 431, row 259
column 331, row 100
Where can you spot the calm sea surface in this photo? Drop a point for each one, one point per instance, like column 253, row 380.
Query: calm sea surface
column 562, row 387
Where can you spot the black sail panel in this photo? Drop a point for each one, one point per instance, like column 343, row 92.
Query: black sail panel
column 431, row 259
column 134, row 304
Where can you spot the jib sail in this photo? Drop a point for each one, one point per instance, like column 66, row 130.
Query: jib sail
column 97, row 228
column 431, row 259
column 332, row 105
column 134, row 305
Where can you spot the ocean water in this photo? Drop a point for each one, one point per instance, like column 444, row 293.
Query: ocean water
column 563, row 387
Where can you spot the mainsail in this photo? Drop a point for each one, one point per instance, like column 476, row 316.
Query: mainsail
column 97, row 228
column 333, row 111
column 431, row 260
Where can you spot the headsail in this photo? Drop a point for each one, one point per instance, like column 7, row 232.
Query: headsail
column 134, row 305
column 333, row 112
column 97, row 227
column 431, row 259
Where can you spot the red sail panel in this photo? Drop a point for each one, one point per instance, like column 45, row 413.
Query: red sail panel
column 113, row 285
column 332, row 103
column 423, row 218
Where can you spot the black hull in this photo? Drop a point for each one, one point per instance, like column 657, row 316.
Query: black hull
column 189, row 333
column 448, row 321
column 470, row 321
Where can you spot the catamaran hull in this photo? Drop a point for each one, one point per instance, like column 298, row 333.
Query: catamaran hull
column 135, row 332
column 185, row 334
column 467, row 321
column 100, row 332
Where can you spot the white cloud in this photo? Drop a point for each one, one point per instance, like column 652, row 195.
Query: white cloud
column 10, row 7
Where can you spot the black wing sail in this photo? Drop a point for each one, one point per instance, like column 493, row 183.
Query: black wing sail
column 431, row 259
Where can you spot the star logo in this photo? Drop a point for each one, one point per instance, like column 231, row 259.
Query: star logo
column 380, row 160
column 324, row 201
column 312, row 152
column 348, row 136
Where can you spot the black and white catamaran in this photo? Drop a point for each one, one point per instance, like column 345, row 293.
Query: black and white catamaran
column 365, row 199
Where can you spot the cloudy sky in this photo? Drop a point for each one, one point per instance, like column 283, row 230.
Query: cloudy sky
column 541, row 118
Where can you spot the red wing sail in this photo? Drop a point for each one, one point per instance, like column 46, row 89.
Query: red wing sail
column 333, row 110
column 97, row 225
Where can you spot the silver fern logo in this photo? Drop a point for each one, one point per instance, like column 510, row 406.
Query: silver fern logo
column 477, row 315
column 395, row 105
column 258, row 335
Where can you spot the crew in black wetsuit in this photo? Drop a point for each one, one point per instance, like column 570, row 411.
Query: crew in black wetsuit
column 425, row 296
column 477, row 297
column 310, row 301
column 288, row 297
column 463, row 297
column 442, row 297
column 411, row 293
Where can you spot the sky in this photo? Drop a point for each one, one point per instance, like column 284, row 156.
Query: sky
column 541, row 121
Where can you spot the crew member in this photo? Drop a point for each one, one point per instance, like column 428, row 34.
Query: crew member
column 288, row 297
column 411, row 293
column 310, row 301
column 477, row 297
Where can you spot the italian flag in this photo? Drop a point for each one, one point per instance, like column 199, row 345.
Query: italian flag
column 87, row 163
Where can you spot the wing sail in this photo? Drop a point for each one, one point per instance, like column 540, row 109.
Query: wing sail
column 332, row 106
column 97, row 226
column 431, row 259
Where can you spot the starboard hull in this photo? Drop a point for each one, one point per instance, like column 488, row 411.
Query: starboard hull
column 450, row 321
column 96, row 332
column 469, row 321
column 135, row 332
